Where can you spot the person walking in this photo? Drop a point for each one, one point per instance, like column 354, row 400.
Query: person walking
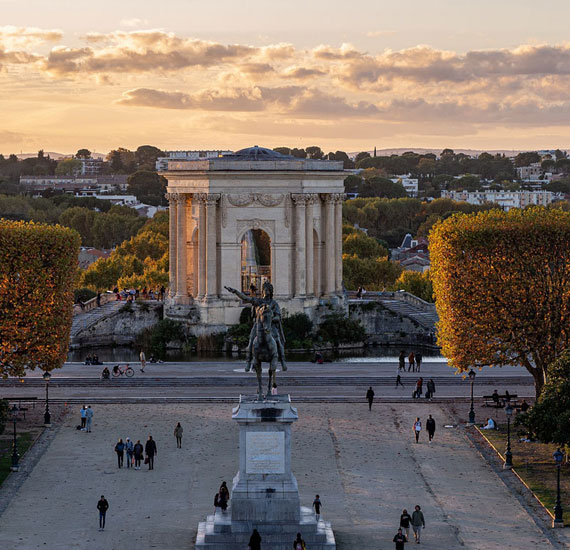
column 317, row 504
column 83, row 413
column 405, row 522
column 254, row 541
column 223, row 496
column 418, row 523
column 419, row 387
column 178, row 435
column 120, row 450
column 402, row 361
column 419, row 358
column 138, row 450
column 142, row 357
column 430, row 427
column 400, row 540
column 150, row 451
column 129, row 449
column 370, row 397
column 88, row 418
column 299, row 543
column 430, row 389
column 412, row 362
column 102, row 506
column 398, row 379
column 417, row 429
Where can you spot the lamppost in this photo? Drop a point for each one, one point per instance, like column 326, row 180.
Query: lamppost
column 472, row 375
column 508, row 455
column 15, row 456
column 47, row 415
column 558, row 521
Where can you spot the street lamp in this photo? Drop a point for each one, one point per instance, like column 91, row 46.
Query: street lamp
column 47, row 415
column 472, row 375
column 508, row 455
column 15, row 456
column 558, row 521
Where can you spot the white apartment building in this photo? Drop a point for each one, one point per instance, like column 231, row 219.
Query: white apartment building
column 91, row 167
column 410, row 184
column 72, row 184
column 504, row 199
column 162, row 162
column 532, row 173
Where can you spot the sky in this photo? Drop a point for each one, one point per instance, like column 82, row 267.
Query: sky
column 191, row 74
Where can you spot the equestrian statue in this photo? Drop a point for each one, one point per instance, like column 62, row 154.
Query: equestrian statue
column 266, row 339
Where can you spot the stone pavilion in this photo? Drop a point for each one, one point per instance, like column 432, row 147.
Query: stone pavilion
column 252, row 216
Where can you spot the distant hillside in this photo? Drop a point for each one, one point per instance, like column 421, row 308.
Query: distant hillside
column 57, row 156
column 423, row 151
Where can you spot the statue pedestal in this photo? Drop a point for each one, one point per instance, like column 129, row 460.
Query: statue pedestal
column 265, row 495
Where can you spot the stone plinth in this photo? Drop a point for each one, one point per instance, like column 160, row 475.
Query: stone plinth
column 264, row 495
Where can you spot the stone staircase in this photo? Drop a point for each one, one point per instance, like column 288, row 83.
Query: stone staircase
column 426, row 319
column 83, row 321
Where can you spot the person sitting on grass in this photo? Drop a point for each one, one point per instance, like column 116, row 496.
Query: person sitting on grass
column 491, row 425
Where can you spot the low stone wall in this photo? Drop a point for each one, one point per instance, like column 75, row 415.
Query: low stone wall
column 121, row 327
column 384, row 326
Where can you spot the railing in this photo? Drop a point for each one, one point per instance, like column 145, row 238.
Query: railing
column 400, row 295
column 92, row 304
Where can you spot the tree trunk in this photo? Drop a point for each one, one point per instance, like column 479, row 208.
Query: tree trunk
column 539, row 380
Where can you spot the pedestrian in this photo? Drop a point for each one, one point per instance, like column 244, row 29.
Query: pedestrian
column 399, row 380
column 98, row 300
column 254, row 541
column 417, row 429
column 405, row 522
column 88, row 418
column 430, row 427
column 178, row 435
column 400, row 540
column 129, row 449
column 299, row 543
column 370, row 397
column 120, row 450
column 83, row 417
column 143, row 360
column 102, row 506
column 419, row 358
column 419, row 387
column 274, row 389
column 402, row 361
column 359, row 293
column 317, row 507
column 223, row 496
column 138, row 450
column 418, row 523
column 150, row 451
column 430, row 389
column 412, row 362
column 162, row 293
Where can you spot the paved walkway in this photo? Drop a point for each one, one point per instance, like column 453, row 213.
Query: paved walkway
column 363, row 464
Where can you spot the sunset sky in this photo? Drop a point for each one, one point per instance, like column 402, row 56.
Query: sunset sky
column 191, row 74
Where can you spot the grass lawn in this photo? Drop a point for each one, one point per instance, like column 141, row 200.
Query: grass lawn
column 24, row 443
column 534, row 463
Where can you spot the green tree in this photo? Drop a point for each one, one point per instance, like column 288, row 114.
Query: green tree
column 148, row 187
column 146, row 156
column 382, row 187
column 338, row 329
column 68, row 167
column 315, row 152
column 362, row 246
column 83, row 154
column 362, row 155
column 527, row 158
column 371, row 273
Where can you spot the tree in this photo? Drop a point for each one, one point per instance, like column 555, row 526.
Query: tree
column 502, row 287
column 382, row 187
column 359, row 244
column 338, row 329
column 418, row 284
column 371, row 273
column 362, row 155
column 283, row 150
column 83, row 154
column 526, row 159
column 68, row 167
column 38, row 267
column 148, row 187
column 549, row 419
column 315, row 152
column 146, row 155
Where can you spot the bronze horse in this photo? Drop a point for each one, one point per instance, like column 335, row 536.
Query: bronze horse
column 264, row 348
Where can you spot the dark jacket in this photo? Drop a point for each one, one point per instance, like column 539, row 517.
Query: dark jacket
column 138, row 449
column 150, row 448
column 418, row 518
column 103, row 505
column 431, row 386
column 120, row 447
column 400, row 539
column 430, row 425
column 370, row 395
column 255, row 541
column 405, row 520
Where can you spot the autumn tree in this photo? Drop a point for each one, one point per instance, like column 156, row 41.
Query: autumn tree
column 38, row 266
column 502, row 287
column 418, row 284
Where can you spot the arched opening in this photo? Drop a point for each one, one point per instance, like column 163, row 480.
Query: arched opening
column 255, row 260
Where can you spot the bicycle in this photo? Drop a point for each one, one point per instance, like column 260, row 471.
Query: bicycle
column 126, row 370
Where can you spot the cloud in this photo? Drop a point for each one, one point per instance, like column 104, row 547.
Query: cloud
column 13, row 38
column 133, row 22
column 377, row 34
column 301, row 73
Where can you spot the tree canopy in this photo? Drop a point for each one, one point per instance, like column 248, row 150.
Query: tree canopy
column 148, row 187
column 38, row 267
column 502, row 286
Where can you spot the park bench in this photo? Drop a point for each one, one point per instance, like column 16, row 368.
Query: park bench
column 19, row 401
column 490, row 402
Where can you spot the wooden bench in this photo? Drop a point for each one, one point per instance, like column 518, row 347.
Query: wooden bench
column 490, row 402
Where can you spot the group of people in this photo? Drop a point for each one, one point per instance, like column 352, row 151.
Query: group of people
column 430, row 428
column 255, row 542
column 135, row 452
column 222, row 497
column 134, row 294
column 418, row 392
column 92, row 360
column 414, row 361
column 416, row 521
column 86, row 414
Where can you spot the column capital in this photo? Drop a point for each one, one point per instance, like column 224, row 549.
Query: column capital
column 300, row 199
column 171, row 196
column 212, row 199
column 333, row 197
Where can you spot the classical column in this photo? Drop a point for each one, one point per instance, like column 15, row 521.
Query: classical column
column 171, row 197
column 201, row 198
column 211, row 245
column 338, row 240
column 300, row 245
column 181, row 244
column 329, row 238
column 310, row 261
